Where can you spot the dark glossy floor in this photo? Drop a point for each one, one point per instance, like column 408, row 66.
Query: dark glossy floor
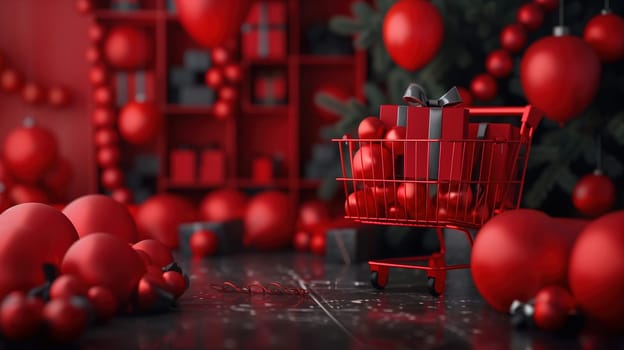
column 342, row 311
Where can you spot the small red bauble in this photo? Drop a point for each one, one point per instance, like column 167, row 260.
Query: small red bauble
column 147, row 289
column 93, row 55
column 361, row 203
column 556, row 295
column 499, row 63
column 465, row 95
column 412, row 33
column 84, row 6
column 108, row 156
column 455, row 198
column 301, row 240
column 214, row 77
column 549, row 316
column 395, row 136
column 86, row 214
column 105, row 137
column 176, row 284
column 66, row 286
column 594, row 195
column 484, row 87
column 233, row 73
column 58, row 96
column 139, row 122
column 605, row 33
column 530, row 15
column 415, row 198
column 204, row 243
column 158, row 253
column 371, row 128
column 103, row 302
column 19, row 317
column 513, row 38
column 372, row 162
column 103, row 117
column 122, row 195
column 223, row 109
column 597, row 270
column 64, row 320
column 112, row 178
column 98, row 75
column 10, row 80
column 103, row 96
column 33, row 94
column 95, row 32
column 312, row 213
column 127, row 48
column 396, row 212
column 220, row 56
column 228, row 93
column 269, row 221
column 385, row 194
column 548, row 5
column 318, row 244
column 160, row 215
column 223, row 205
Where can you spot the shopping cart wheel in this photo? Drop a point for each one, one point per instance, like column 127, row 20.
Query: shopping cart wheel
column 376, row 281
column 431, row 287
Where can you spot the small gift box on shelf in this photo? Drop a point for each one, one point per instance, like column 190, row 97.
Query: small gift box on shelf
column 269, row 88
column 212, row 166
column 264, row 30
column 182, row 165
column 438, row 127
column 229, row 235
column 265, row 168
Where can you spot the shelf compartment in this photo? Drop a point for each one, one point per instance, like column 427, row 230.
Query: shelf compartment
column 137, row 15
column 342, row 60
column 175, row 109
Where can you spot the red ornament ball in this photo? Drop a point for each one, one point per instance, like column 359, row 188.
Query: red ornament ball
column 139, row 122
column 395, row 137
column 484, row 87
column 128, row 48
column 20, row 317
column 25, row 193
column 548, row 5
column 95, row 32
column 605, row 33
column 372, row 162
column 98, row 213
column 361, row 203
column 385, row 194
column 160, row 216
column 158, row 253
column 108, row 156
column 412, row 33
column 103, row 302
column 65, row 320
column 204, row 243
column 233, row 73
column 499, row 63
column 549, row 316
column 112, row 178
column 318, row 244
column 33, row 94
column 98, row 75
column 556, row 295
column 105, row 137
column 93, row 55
column 220, row 56
column 29, row 151
column 560, row 75
column 228, row 93
column 10, row 81
column 594, row 195
column 301, row 240
column 59, row 96
column 414, row 197
column 371, row 128
column 214, row 77
column 223, row 110
column 101, row 259
column 513, row 38
column 455, row 198
column 312, row 213
column 530, row 15
column 103, row 96
column 223, row 205
column 269, row 221
column 66, row 286
column 84, row 6
column 176, row 284
column 103, row 117
column 122, row 195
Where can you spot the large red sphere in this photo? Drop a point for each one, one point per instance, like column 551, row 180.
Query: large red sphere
column 594, row 195
column 605, row 33
column 101, row 259
column 128, row 48
column 517, row 253
column 412, row 33
column 222, row 205
column 414, row 197
column 29, row 151
column 98, row 213
column 33, row 94
column 530, row 15
column 212, row 22
column 371, row 128
column 21, row 259
column 67, row 286
column 269, row 221
column 560, row 76
column 139, row 122
column 484, row 87
column 10, row 80
column 158, row 253
column 385, row 194
column 372, row 162
column 499, row 63
column 513, row 38
column 597, row 270
column 160, row 216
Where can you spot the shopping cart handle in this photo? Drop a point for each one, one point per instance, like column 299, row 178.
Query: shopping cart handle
column 531, row 116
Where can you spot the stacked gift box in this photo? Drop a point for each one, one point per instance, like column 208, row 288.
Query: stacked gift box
column 186, row 83
column 188, row 165
column 264, row 30
column 270, row 87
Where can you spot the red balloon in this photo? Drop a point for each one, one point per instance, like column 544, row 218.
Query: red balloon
column 560, row 76
column 24, row 193
column 112, row 178
column 372, row 162
column 301, row 240
column 517, row 253
column 318, row 244
column 204, row 243
column 223, row 110
column 33, row 94
column 98, row 75
column 212, row 22
column 220, row 56
column 269, row 221
column 597, row 270
column 128, row 48
column 20, row 317
column 10, row 80
column 548, row 5
column 108, row 156
column 67, row 286
column 122, row 195
column 412, row 33
column 530, row 15
column 362, row 203
column 65, row 321
column 395, row 136
column 176, row 284
column 605, row 33
column 312, row 213
column 513, row 38
column 101, row 259
column 594, row 195
column 223, row 205
column 58, row 96
column 103, row 302
column 228, row 93
column 158, row 253
column 98, row 213
column 484, row 87
column 105, row 137
column 29, row 151
column 214, row 77
column 103, row 96
column 371, row 128
column 93, row 55
column 415, row 198
column 103, row 117
column 499, row 63
column 233, row 73
column 95, row 32
column 465, row 95
column 160, row 216
column 139, row 122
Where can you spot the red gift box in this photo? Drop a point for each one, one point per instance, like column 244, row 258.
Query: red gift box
column 264, row 31
column 182, row 165
column 263, row 169
column 212, row 166
column 270, row 89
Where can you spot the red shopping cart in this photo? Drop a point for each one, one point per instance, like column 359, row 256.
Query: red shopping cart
column 492, row 165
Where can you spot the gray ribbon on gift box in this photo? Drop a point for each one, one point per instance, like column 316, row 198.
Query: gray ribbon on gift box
column 263, row 28
column 415, row 96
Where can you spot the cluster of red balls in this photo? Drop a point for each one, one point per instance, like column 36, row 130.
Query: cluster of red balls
column 312, row 224
column 224, row 77
column 103, row 271
column 11, row 81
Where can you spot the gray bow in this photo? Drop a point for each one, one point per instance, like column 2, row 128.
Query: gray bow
column 415, row 95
